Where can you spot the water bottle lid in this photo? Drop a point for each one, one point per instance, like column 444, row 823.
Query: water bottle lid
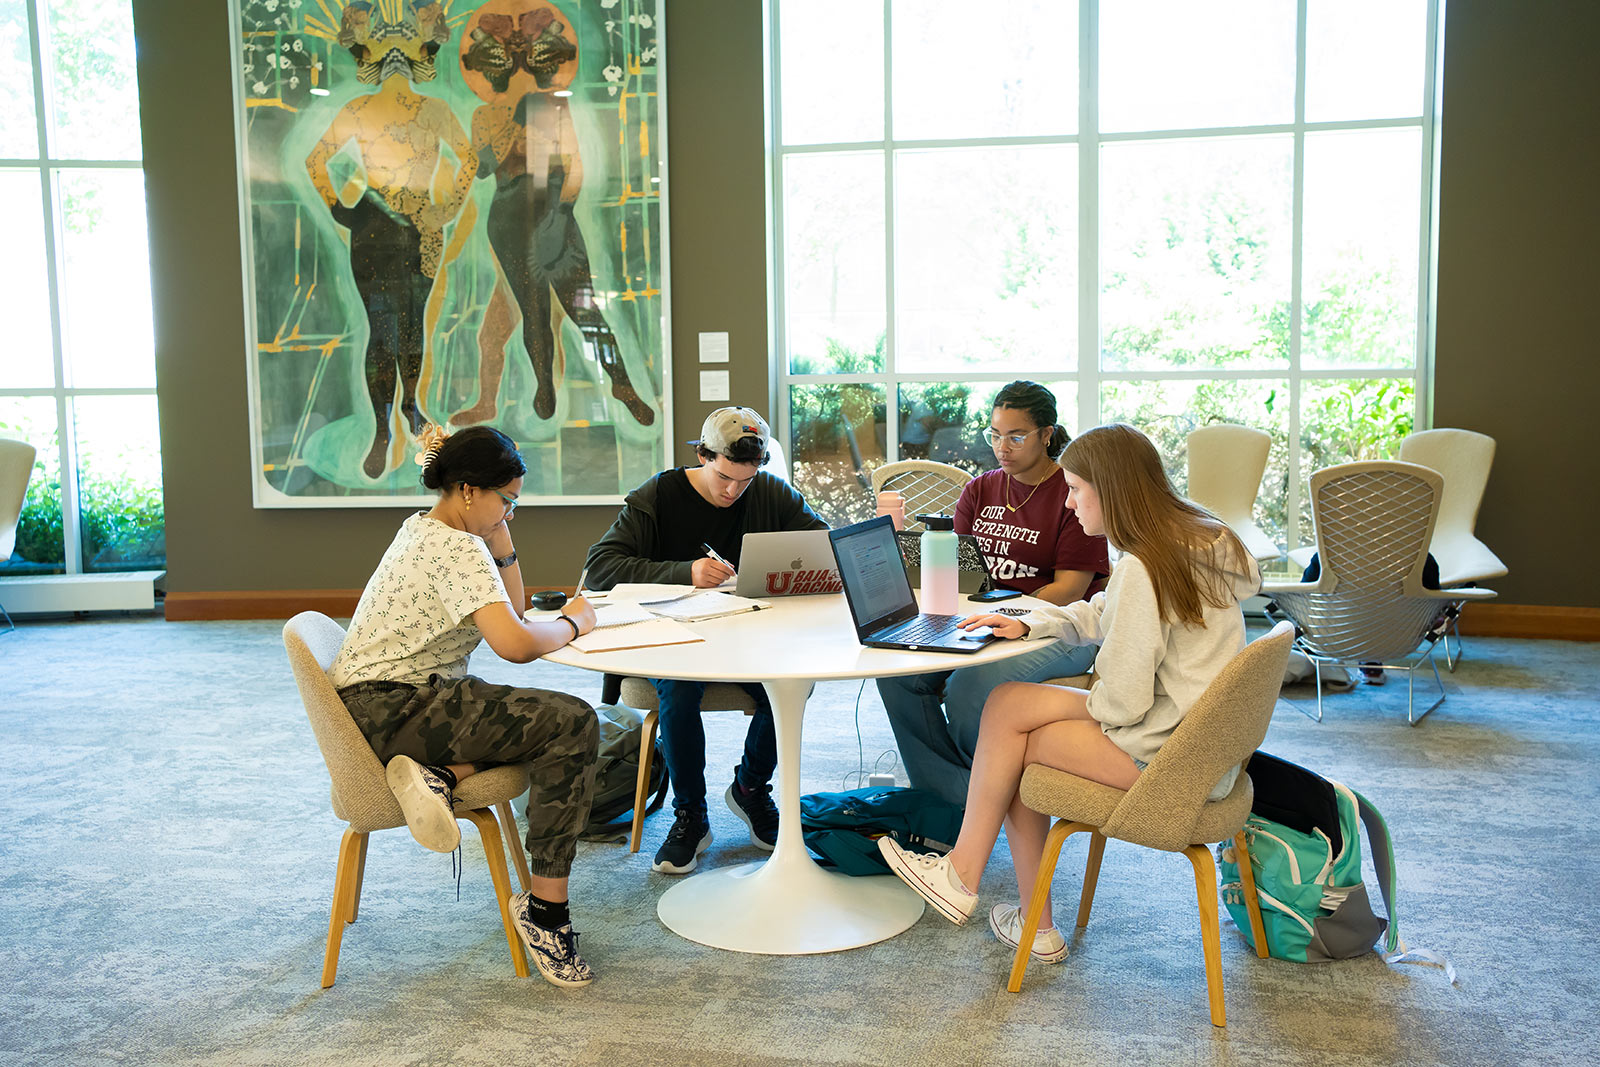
column 937, row 522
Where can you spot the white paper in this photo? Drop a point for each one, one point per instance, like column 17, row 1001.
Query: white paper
column 713, row 385
column 713, row 348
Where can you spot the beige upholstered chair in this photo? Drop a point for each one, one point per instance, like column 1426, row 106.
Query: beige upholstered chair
column 1374, row 522
column 1463, row 458
column 641, row 694
column 16, row 467
column 929, row 488
column 1167, row 808
column 1226, row 463
column 362, row 798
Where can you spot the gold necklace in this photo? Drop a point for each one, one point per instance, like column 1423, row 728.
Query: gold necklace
column 1036, row 485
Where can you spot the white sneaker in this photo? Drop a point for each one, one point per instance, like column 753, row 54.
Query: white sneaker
column 1006, row 922
column 427, row 802
column 931, row 875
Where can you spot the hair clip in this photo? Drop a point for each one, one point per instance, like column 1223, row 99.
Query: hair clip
column 432, row 438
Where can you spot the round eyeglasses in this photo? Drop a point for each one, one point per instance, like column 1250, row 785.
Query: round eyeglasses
column 1013, row 440
column 511, row 502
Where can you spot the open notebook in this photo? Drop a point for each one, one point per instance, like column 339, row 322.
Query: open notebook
column 644, row 634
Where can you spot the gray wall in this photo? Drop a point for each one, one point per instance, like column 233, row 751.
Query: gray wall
column 1518, row 281
column 1517, row 269
column 215, row 539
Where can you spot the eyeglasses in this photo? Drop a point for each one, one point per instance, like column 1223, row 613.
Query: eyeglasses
column 511, row 502
column 1015, row 440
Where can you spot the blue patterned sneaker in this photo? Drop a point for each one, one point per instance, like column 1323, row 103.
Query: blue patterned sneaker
column 554, row 952
column 931, row 875
column 1006, row 922
column 427, row 801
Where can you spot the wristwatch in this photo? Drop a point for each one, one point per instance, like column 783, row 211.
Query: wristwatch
column 504, row 561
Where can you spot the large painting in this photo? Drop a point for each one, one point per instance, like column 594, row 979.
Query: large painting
column 454, row 213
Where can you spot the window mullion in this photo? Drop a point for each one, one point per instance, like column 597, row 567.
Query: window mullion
column 1291, row 518
column 1088, row 413
column 1428, row 238
column 778, row 305
column 891, row 390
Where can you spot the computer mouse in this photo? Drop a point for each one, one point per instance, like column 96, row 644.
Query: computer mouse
column 547, row 599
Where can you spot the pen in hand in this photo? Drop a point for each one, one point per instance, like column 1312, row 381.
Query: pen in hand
column 704, row 580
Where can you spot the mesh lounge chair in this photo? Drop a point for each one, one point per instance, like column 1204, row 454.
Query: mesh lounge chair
column 1374, row 522
column 929, row 488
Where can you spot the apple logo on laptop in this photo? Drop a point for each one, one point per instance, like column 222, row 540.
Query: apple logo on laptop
column 795, row 564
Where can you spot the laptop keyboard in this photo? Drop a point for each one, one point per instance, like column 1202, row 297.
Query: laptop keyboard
column 924, row 629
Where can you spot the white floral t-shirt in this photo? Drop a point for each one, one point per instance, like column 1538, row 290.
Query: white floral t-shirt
column 415, row 615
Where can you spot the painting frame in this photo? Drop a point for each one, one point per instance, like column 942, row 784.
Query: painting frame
column 584, row 379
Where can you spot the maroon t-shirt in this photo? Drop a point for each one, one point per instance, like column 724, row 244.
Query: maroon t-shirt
column 1027, row 538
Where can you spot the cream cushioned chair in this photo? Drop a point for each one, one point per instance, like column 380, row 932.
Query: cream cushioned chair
column 1368, row 606
column 16, row 467
column 929, row 488
column 1226, row 463
column 1463, row 458
column 362, row 798
column 1167, row 807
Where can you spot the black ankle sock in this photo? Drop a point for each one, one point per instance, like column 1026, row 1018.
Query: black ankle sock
column 549, row 914
column 447, row 774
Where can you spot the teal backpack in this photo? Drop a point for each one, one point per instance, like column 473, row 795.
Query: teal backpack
column 1305, row 854
column 843, row 828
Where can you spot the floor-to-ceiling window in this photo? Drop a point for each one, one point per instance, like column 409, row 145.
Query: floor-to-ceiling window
column 77, row 369
column 1171, row 213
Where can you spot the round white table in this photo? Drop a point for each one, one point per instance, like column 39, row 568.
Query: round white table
column 786, row 904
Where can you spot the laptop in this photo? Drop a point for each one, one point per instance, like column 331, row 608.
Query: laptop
column 972, row 570
column 879, row 595
column 795, row 563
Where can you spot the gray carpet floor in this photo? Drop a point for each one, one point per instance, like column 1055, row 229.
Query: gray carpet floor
column 168, row 852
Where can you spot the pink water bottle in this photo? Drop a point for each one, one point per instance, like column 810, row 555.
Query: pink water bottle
column 892, row 504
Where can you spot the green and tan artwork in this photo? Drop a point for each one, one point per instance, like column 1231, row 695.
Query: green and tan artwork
column 455, row 216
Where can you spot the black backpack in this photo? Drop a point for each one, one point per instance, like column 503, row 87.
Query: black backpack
column 616, row 772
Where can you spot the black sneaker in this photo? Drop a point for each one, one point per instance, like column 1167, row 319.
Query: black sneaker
column 756, row 810
column 690, row 835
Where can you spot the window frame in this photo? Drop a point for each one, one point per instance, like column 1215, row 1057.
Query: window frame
column 49, row 169
column 1088, row 372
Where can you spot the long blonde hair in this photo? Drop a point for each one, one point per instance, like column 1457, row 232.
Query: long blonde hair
column 1174, row 538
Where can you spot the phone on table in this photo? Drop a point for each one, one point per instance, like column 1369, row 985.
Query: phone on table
column 989, row 596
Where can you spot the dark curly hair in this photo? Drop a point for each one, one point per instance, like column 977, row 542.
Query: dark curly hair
column 1039, row 404
column 479, row 456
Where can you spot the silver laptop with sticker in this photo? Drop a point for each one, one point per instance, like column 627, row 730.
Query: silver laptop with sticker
column 792, row 563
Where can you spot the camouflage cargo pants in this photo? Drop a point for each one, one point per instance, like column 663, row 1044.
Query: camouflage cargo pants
column 468, row 720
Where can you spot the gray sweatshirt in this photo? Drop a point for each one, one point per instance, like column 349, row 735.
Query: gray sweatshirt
column 1149, row 671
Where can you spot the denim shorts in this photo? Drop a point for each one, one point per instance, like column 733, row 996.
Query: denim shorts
column 1139, row 763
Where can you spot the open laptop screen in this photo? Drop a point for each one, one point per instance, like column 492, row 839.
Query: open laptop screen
column 873, row 574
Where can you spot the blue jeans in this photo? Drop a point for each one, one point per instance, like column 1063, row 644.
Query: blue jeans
column 683, row 742
column 935, row 716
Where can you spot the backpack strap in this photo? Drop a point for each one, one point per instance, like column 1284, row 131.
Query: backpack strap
column 1383, row 864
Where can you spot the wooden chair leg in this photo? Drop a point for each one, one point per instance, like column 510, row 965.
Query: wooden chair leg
column 508, row 826
column 1252, row 900
column 641, row 788
column 1091, row 876
column 1205, row 885
column 1041, row 892
column 489, row 829
column 361, row 873
column 345, row 880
